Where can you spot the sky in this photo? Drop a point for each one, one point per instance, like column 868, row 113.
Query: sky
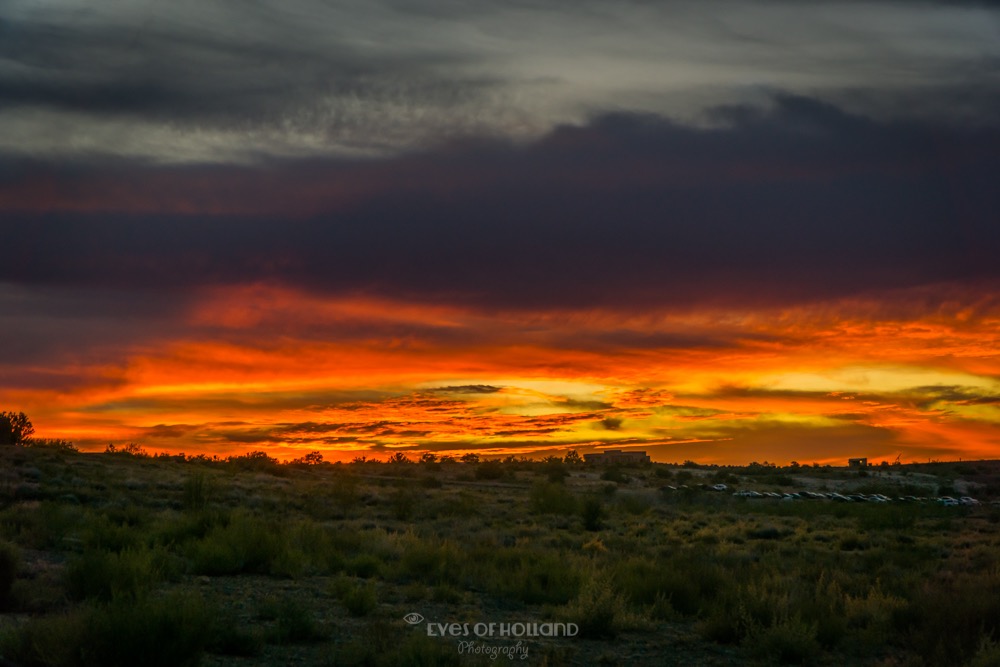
column 716, row 231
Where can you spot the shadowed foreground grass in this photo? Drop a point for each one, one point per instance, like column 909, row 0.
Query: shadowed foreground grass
column 125, row 559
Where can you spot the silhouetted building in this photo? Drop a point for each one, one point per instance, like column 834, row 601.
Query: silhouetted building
column 858, row 463
column 617, row 456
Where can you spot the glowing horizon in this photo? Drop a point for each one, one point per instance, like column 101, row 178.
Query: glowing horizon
column 808, row 383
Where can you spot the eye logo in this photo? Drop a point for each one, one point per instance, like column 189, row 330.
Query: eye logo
column 413, row 619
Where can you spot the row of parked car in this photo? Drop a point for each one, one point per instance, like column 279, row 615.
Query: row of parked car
column 967, row 501
column 854, row 497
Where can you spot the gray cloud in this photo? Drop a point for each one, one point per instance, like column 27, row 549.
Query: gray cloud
column 801, row 202
column 236, row 81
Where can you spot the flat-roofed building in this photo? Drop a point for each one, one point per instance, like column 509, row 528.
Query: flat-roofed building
column 617, row 456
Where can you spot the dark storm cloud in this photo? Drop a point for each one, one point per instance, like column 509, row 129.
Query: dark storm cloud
column 798, row 202
column 241, row 400
column 466, row 389
column 612, row 423
column 176, row 66
column 938, row 396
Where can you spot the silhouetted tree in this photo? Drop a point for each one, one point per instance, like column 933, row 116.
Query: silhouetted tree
column 15, row 428
column 310, row 459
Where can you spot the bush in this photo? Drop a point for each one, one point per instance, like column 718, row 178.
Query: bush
column 592, row 512
column 294, row 622
column 361, row 600
column 130, row 449
column 403, row 502
column 490, row 470
column 431, row 563
column 196, row 489
column 51, row 444
column 531, row 577
column 598, row 611
column 947, row 619
column 551, row 498
column 634, row 504
column 614, row 475
column 106, row 576
column 679, row 584
column 365, row 566
column 787, row 641
column 255, row 461
column 171, row 631
column 241, row 546
column 555, row 470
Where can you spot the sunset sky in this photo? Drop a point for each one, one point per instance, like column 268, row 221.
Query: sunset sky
column 717, row 231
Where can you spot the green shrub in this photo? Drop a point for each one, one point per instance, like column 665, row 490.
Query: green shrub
column 490, row 470
column 43, row 527
column 531, row 577
column 598, row 611
column 244, row 545
column 196, row 491
column 361, row 600
column 947, row 618
column 431, row 563
column 550, row 498
column 787, row 641
column 344, row 493
column 365, row 566
column 592, row 512
column 403, row 503
column 256, row 461
column 170, row 631
column 555, row 470
column 105, row 575
column 295, row 622
column 614, row 475
column 459, row 505
column 102, row 532
column 634, row 504
column 679, row 584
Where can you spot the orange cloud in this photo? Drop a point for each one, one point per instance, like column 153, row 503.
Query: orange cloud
column 262, row 367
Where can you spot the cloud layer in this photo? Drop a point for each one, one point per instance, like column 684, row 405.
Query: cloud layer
column 800, row 202
column 736, row 231
column 183, row 82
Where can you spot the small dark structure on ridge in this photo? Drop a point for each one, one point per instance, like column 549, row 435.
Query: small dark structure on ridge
column 617, row 456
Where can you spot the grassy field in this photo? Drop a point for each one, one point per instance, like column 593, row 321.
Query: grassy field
column 126, row 559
